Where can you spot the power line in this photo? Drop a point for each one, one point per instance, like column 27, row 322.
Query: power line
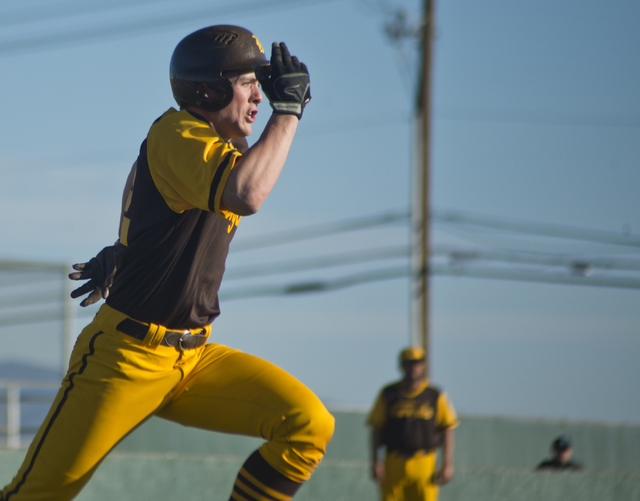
column 538, row 117
column 404, row 271
column 53, row 11
column 130, row 27
column 317, row 285
column 319, row 230
column 338, row 125
column 577, row 269
column 22, row 279
column 30, row 299
column 536, row 276
column 342, row 259
column 578, row 266
column 31, row 318
column 444, row 270
column 454, row 218
column 9, row 264
column 545, row 229
column 62, row 10
column 582, row 264
column 454, row 268
column 399, row 28
column 313, row 128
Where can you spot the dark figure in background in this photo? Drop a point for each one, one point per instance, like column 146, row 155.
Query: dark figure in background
column 410, row 418
column 561, row 460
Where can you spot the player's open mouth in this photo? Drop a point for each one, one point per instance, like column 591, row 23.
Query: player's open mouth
column 251, row 116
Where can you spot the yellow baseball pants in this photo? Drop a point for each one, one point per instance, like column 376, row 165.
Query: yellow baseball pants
column 409, row 479
column 116, row 382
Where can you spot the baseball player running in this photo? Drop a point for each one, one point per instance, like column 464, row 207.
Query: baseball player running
column 407, row 419
column 146, row 351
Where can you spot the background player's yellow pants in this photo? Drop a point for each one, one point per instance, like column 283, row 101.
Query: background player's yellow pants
column 409, row 479
column 115, row 382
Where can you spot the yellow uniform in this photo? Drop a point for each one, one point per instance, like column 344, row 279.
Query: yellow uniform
column 409, row 424
column 145, row 352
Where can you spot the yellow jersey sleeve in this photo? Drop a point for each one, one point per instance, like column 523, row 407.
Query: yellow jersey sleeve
column 189, row 162
column 378, row 415
column 446, row 416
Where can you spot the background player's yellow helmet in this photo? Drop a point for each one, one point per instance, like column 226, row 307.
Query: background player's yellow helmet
column 201, row 60
column 412, row 354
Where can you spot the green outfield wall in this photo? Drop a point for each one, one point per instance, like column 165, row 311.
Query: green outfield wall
column 165, row 476
column 480, row 441
column 495, row 460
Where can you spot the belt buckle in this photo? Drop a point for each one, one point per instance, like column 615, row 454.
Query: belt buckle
column 181, row 339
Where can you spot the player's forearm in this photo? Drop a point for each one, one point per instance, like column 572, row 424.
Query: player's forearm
column 251, row 182
column 448, row 445
column 375, row 444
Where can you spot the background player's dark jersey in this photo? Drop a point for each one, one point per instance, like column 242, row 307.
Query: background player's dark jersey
column 174, row 235
column 410, row 420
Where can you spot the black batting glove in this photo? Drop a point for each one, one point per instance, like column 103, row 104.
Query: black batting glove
column 288, row 86
column 99, row 271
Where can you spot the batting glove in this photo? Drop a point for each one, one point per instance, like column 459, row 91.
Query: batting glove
column 99, row 271
column 287, row 88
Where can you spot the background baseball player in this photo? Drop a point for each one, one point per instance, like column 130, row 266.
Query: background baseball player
column 408, row 420
column 146, row 352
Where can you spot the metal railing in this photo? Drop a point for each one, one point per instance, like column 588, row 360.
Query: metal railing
column 26, row 405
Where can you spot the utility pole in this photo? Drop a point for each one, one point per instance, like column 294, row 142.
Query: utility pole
column 398, row 30
column 424, row 151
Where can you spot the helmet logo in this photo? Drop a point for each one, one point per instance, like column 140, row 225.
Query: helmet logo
column 223, row 38
column 258, row 43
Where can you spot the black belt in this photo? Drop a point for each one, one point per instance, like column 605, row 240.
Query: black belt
column 407, row 453
column 183, row 340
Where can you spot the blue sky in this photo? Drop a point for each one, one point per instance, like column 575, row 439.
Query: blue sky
column 536, row 118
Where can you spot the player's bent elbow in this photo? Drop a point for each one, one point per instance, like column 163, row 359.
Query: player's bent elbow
column 240, row 206
column 245, row 210
column 252, row 205
column 244, row 204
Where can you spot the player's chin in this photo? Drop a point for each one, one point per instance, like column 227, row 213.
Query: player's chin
column 246, row 128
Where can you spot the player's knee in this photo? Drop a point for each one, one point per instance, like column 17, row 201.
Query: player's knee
column 322, row 426
column 310, row 429
column 300, row 440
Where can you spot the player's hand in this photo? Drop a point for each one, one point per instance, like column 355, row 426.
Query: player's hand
column 444, row 475
column 99, row 271
column 378, row 473
column 288, row 85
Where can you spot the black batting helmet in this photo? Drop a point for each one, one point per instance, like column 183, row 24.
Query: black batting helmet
column 204, row 56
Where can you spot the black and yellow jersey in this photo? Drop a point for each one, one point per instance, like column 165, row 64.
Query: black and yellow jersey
column 411, row 421
column 174, row 236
